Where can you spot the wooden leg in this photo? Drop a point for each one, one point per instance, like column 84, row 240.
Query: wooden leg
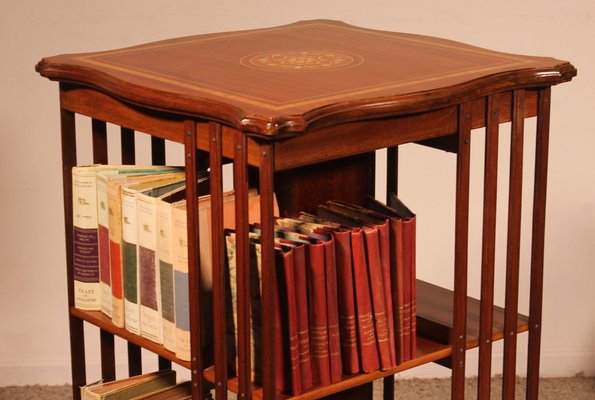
column 538, row 237
column 513, row 246
column 388, row 390
column 362, row 392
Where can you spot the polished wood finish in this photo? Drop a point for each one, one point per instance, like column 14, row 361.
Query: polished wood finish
column 304, row 120
column 537, row 243
column 459, row 331
column 490, row 187
column 235, row 78
column 218, row 260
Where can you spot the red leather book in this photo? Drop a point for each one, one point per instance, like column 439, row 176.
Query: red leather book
column 377, row 291
column 346, row 298
column 372, row 220
column 317, row 313
column 301, row 294
column 409, row 259
column 286, row 325
column 365, row 321
column 334, row 335
column 396, row 272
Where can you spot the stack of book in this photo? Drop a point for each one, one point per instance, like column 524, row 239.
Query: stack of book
column 160, row 385
column 131, row 253
column 345, row 293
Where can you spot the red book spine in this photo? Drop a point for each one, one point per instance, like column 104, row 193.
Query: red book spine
column 407, row 289
column 365, row 320
column 377, row 291
column 334, row 335
column 346, row 298
column 412, row 268
column 384, row 241
column 286, row 324
column 301, row 294
column 319, row 343
column 396, row 226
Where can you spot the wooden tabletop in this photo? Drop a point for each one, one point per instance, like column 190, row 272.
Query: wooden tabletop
column 292, row 78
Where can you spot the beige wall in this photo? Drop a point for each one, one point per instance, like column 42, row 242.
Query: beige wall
column 34, row 330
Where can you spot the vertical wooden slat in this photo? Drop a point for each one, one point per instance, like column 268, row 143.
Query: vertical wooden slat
column 268, row 268
column 157, row 151
column 76, row 328
column 461, row 252
column 190, row 140
column 127, row 146
column 392, row 171
column 108, row 356
column 240, row 176
column 513, row 246
column 135, row 362
column 537, row 242
column 99, row 131
column 218, row 254
column 488, row 248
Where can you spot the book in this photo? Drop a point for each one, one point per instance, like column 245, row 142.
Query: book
column 409, row 259
column 181, row 261
column 128, row 388
column 85, row 230
column 345, row 291
column 366, row 332
column 90, row 248
column 180, row 391
column 149, row 276
column 113, row 182
column 130, row 256
column 370, row 219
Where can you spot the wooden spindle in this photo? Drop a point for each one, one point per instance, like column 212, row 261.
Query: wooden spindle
column 127, row 146
column 99, row 132
column 157, row 150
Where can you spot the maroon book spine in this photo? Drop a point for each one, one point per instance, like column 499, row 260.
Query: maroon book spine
column 346, row 297
column 334, row 334
column 407, row 290
column 365, row 321
column 301, row 294
column 412, row 269
column 286, row 324
column 377, row 291
column 319, row 341
column 396, row 227
column 384, row 241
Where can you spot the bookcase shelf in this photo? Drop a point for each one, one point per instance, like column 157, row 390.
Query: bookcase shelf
column 300, row 111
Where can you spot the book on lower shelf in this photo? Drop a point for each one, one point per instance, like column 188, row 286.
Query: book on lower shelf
column 129, row 388
column 343, row 255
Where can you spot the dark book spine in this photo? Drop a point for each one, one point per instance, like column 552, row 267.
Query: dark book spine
column 319, row 343
column 286, row 326
column 346, row 298
column 365, row 321
column 378, row 301
column 332, row 311
column 301, row 293
column 396, row 226
column 384, row 241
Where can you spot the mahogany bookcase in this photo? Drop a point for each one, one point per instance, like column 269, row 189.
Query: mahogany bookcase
column 300, row 111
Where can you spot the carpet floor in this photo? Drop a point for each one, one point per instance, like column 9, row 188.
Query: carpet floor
column 578, row 388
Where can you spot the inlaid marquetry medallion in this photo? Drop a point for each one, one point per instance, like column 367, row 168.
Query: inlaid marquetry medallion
column 307, row 60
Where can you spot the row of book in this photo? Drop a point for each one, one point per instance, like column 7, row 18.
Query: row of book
column 160, row 385
column 345, row 293
column 131, row 253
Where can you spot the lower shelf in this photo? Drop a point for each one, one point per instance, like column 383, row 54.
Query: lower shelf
column 104, row 322
column 434, row 324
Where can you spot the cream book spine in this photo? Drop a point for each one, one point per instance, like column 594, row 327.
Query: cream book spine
column 166, row 273
column 180, row 266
